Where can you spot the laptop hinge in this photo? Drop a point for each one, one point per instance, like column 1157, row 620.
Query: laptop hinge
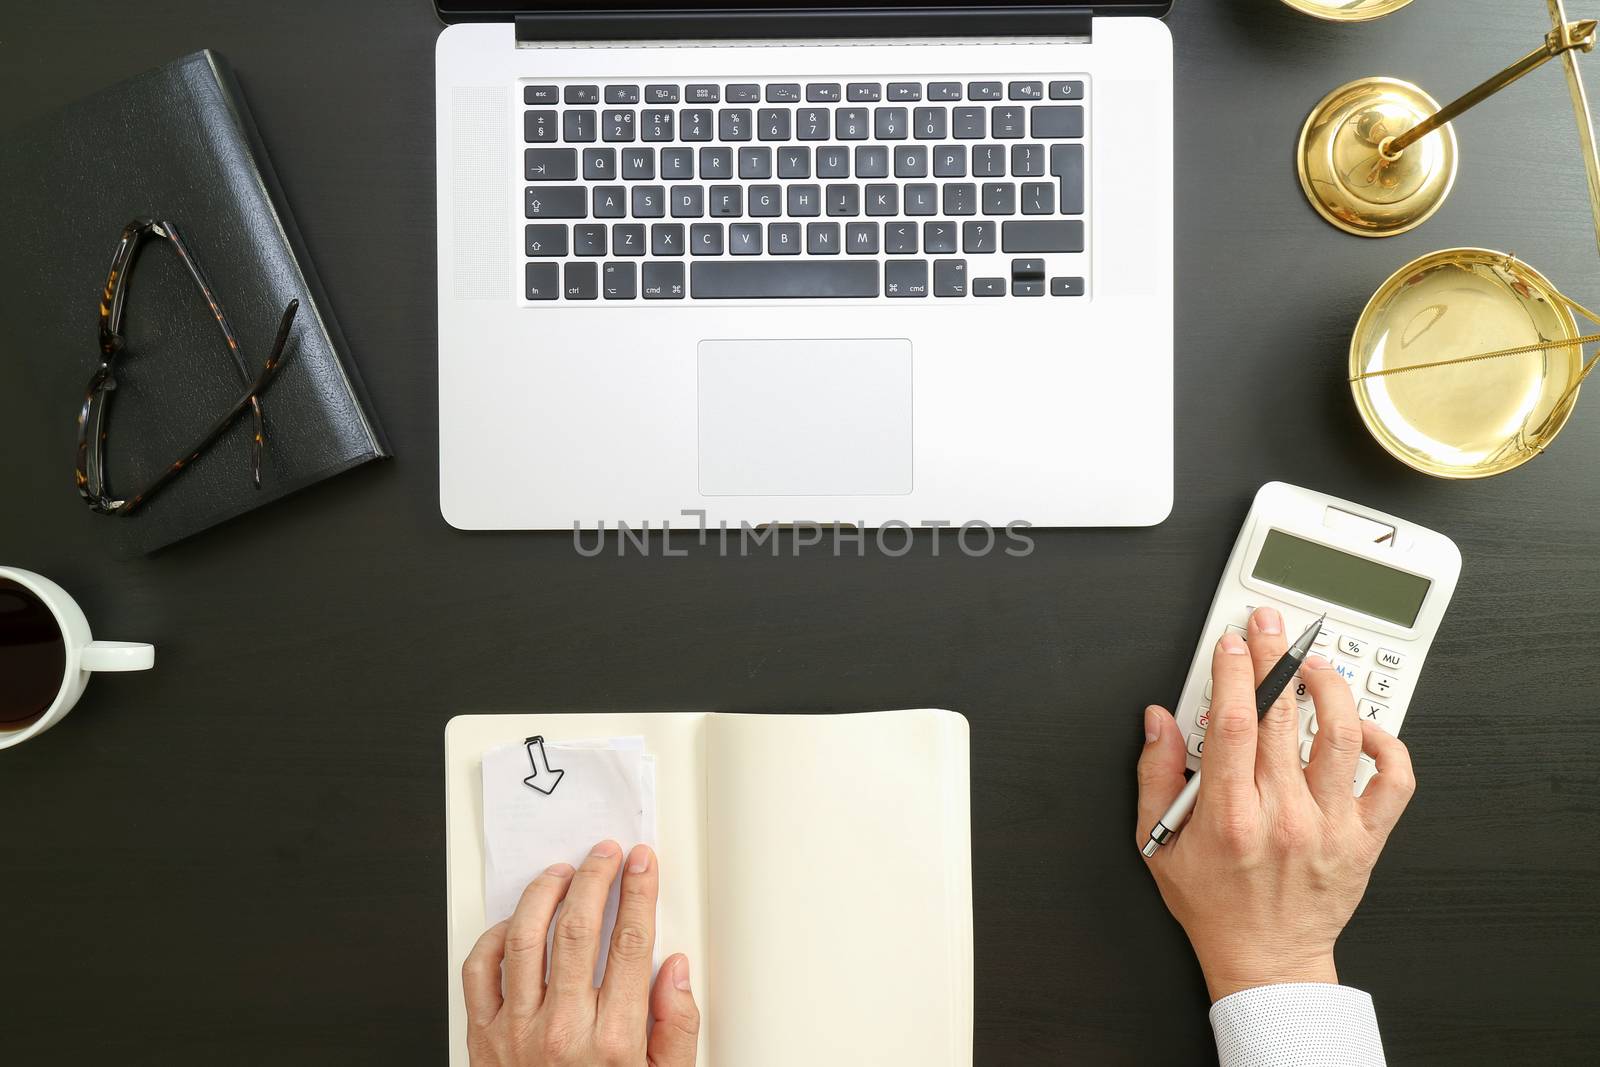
column 801, row 22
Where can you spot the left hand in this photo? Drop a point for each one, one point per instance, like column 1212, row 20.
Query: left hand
column 515, row 1020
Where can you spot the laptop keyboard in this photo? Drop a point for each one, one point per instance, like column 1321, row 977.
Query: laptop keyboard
column 777, row 191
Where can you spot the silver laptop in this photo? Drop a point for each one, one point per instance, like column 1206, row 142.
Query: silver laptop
column 830, row 263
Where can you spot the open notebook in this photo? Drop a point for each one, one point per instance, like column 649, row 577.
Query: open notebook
column 813, row 867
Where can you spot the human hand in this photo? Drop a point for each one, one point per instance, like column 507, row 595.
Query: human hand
column 1273, row 861
column 515, row 1020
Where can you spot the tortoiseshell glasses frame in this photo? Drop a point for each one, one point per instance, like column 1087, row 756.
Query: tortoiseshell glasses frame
column 93, row 418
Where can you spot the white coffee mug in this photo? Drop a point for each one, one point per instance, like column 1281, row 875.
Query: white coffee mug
column 83, row 654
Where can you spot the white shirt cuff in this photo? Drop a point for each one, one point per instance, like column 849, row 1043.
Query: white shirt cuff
column 1297, row 1025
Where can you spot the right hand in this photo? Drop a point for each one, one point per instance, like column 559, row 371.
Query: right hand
column 514, row 1019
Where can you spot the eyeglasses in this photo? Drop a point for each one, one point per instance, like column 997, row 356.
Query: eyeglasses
column 90, row 470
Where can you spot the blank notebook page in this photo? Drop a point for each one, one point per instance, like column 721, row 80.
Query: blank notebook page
column 840, row 889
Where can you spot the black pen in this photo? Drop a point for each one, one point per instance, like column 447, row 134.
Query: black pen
column 1267, row 693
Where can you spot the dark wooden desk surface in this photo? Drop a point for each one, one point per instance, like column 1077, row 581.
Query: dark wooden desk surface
column 238, row 858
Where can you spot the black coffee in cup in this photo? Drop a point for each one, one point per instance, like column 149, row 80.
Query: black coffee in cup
column 33, row 656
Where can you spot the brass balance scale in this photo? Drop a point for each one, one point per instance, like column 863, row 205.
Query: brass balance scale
column 1467, row 362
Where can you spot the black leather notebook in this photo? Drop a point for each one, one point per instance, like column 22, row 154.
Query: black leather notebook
column 174, row 144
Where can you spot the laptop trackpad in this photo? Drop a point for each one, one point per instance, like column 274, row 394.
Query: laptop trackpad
column 805, row 418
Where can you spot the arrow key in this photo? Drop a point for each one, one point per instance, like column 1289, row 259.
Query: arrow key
column 550, row 164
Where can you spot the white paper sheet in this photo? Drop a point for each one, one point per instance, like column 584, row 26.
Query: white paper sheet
column 606, row 790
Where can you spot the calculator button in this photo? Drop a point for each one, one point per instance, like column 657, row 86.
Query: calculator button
column 1302, row 694
column 1324, row 640
column 1240, row 630
column 1391, row 659
column 1208, row 690
column 1372, row 711
column 1347, row 671
column 1311, row 724
column 1197, row 745
column 1380, row 684
column 1352, row 646
column 1202, row 719
column 1305, row 752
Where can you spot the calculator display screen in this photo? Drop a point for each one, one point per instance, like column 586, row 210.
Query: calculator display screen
column 1340, row 578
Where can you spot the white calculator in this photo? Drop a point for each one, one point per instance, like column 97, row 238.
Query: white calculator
column 1383, row 582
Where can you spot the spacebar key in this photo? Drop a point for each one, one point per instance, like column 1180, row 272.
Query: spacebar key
column 779, row 280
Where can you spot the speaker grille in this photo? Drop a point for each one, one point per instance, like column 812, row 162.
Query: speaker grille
column 478, row 143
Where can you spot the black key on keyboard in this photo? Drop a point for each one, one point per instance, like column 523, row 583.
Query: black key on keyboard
column 541, row 281
column 911, row 161
column 1066, row 287
column 950, row 161
column 938, row 237
column 1066, row 163
column 1025, row 90
column 783, row 93
column 705, row 239
column 578, row 125
column 1051, row 121
column 589, row 239
column 550, row 164
column 766, row 201
column 922, row 198
column 930, row 123
column 583, row 94
column 666, row 239
column 949, row 277
column 649, row 201
column 610, row 202
column 988, row 161
column 905, row 277
column 663, row 281
column 1027, row 160
column 823, row 93
column 776, row 279
column 583, row 281
column 694, row 124
column 822, row 238
column 1006, row 122
column 905, row 91
column 1038, row 198
column 622, row 94
column 944, row 90
column 544, row 241
column 1027, row 277
column 744, row 239
column 555, row 202
column 783, row 238
column 639, row 164
column 774, row 123
column 813, row 124
column 969, row 124
column 977, row 237
column 538, row 126
column 872, row 161
column 677, row 164
column 701, row 94
column 900, row 238
column 794, row 162
column 688, row 201
column 883, row 199
column 661, row 94
column 960, row 198
column 984, row 91
column 716, row 163
column 540, row 94
column 989, row 287
column 805, row 201
column 869, row 92
column 627, row 239
column 733, row 124
column 727, row 201
column 1066, row 90
column 599, row 164
column 1041, row 236
column 999, row 198
column 852, row 123
column 619, row 281
column 656, row 124
column 744, row 93
column 833, row 161
column 889, row 123
column 755, row 162
column 861, row 238
column 843, row 200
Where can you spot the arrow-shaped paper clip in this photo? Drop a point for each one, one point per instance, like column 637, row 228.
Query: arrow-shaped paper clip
column 540, row 761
